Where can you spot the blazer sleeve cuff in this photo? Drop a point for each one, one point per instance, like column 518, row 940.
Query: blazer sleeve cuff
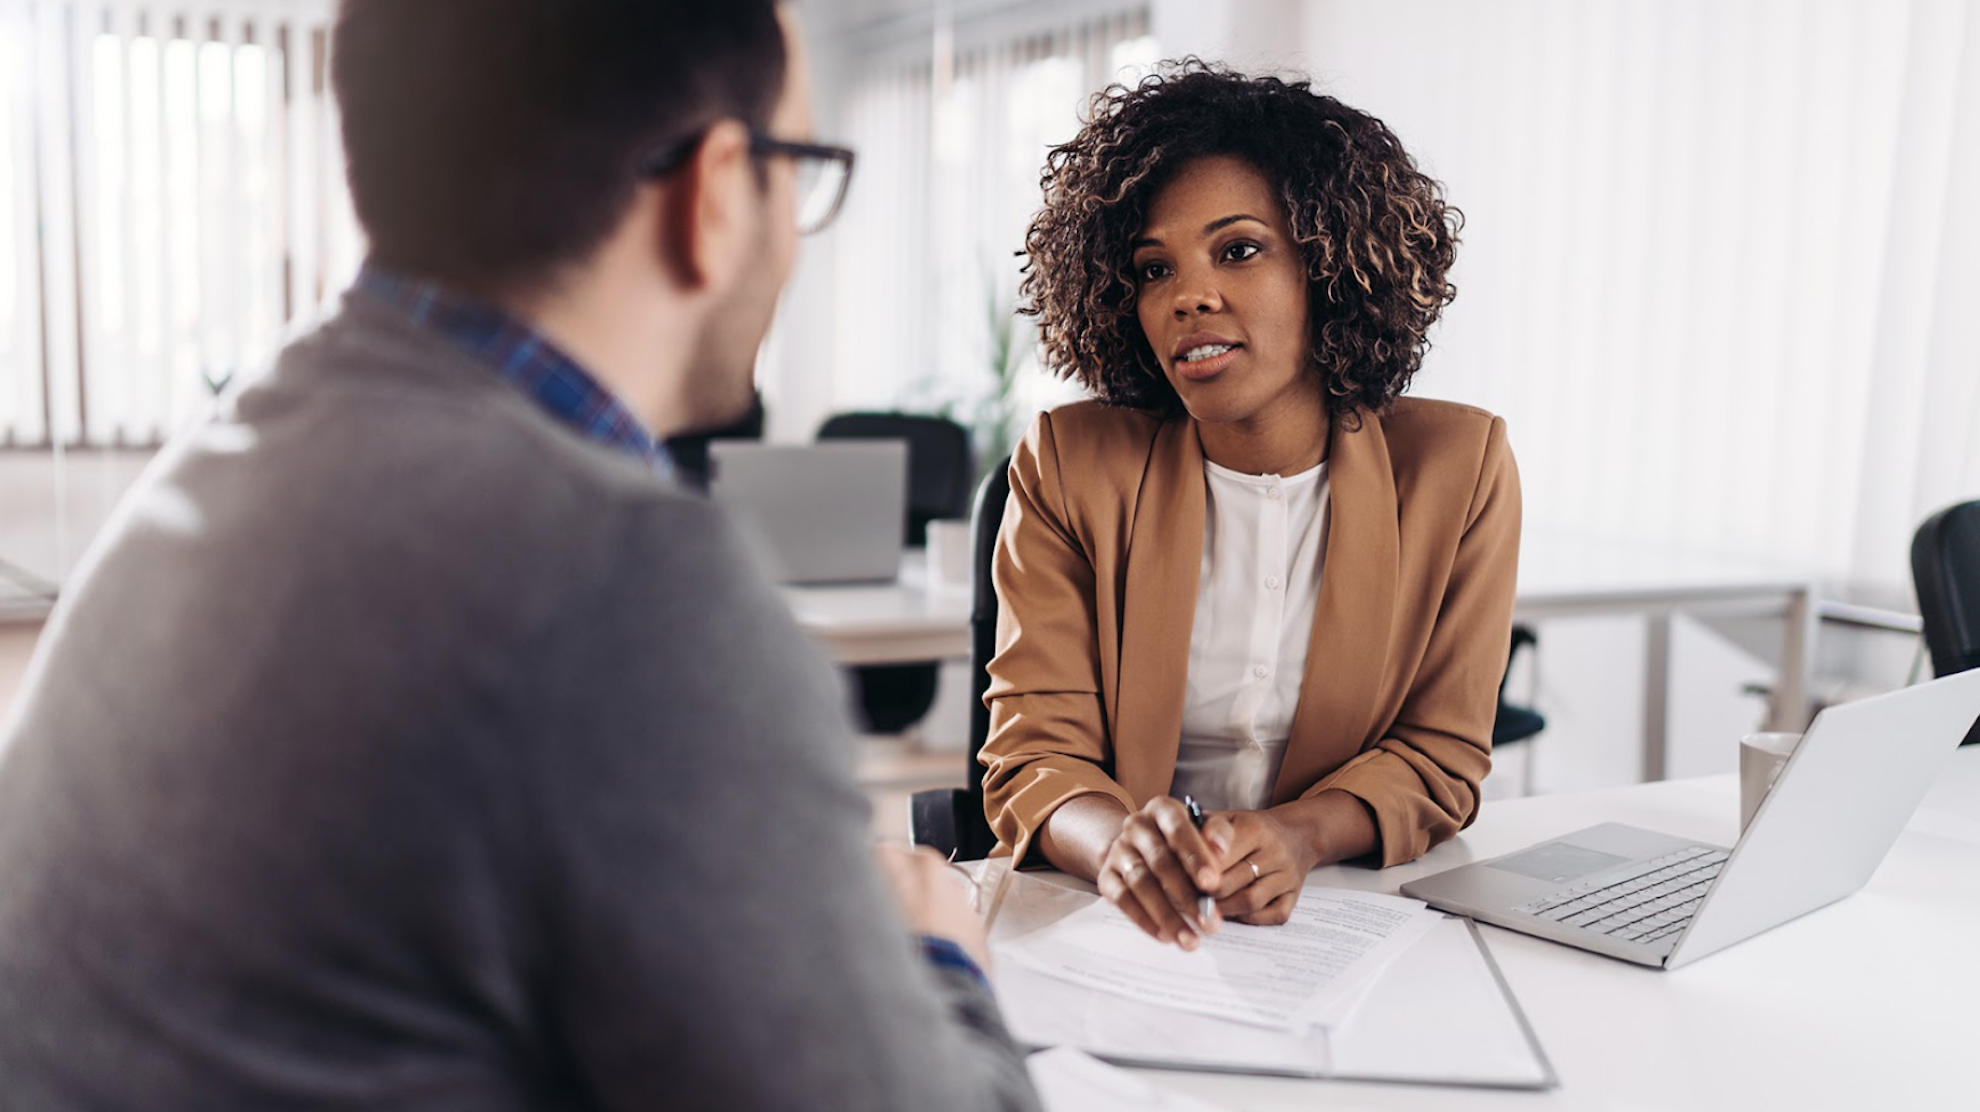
column 1017, row 816
column 1408, row 819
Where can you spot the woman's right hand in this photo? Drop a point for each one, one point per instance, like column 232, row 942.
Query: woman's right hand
column 1158, row 867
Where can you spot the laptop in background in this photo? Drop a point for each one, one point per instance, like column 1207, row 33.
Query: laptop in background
column 1839, row 803
column 816, row 513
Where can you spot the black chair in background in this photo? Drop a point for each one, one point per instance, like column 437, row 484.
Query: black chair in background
column 690, row 450
column 952, row 819
column 1515, row 723
column 892, row 697
column 1945, row 570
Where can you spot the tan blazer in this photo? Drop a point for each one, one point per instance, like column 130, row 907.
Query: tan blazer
column 1096, row 570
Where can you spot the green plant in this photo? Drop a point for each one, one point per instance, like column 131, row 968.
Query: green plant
column 1012, row 339
column 988, row 405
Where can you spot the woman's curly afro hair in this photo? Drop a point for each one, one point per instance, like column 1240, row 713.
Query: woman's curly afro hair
column 1375, row 233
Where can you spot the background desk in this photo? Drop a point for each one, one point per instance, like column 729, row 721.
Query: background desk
column 901, row 622
column 1564, row 576
column 1559, row 577
column 1867, row 1003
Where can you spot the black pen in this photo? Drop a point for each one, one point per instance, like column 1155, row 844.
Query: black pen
column 1205, row 906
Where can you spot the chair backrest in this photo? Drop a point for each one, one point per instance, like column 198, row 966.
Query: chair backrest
column 690, row 449
column 941, row 462
column 1945, row 569
column 1513, row 723
column 984, row 520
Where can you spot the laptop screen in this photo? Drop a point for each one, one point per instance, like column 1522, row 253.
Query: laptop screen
column 816, row 513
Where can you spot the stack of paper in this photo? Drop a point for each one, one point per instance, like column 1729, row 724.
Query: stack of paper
column 1306, row 973
column 1358, row 986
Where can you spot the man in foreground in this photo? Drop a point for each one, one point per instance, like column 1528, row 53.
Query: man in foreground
column 411, row 740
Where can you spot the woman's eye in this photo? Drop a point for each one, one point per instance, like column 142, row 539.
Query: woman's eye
column 1240, row 251
column 1149, row 272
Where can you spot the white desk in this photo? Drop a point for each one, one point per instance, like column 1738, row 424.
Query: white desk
column 1563, row 576
column 1867, row 1003
column 901, row 622
column 1559, row 577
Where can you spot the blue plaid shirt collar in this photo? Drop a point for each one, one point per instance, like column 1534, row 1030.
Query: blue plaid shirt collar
column 524, row 357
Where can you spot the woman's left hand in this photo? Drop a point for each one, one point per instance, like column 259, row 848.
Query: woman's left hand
column 1269, row 859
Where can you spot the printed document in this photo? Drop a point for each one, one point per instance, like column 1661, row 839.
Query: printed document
column 1302, row 974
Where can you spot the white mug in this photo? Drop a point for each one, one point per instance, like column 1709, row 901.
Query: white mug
column 949, row 554
column 1761, row 758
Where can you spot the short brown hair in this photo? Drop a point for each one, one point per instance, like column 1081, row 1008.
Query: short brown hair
column 490, row 142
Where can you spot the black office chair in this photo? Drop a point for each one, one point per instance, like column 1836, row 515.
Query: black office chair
column 952, row 819
column 690, row 449
column 1945, row 570
column 1515, row 723
column 892, row 697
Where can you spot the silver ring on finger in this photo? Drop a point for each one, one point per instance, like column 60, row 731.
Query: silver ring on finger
column 1255, row 874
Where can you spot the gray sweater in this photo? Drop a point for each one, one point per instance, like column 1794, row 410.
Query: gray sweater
column 397, row 748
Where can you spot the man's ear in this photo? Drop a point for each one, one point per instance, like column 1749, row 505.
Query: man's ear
column 714, row 210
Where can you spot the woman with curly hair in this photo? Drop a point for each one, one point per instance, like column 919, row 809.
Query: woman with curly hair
column 1249, row 572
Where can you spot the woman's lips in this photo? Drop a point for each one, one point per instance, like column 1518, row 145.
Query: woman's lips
column 1203, row 369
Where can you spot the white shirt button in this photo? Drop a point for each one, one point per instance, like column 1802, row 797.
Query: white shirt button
column 1271, row 582
column 1271, row 492
column 1260, row 671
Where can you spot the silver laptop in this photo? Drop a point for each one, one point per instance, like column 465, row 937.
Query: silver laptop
column 816, row 513
column 1832, row 815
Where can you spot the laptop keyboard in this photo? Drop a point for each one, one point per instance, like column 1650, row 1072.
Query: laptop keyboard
column 1651, row 901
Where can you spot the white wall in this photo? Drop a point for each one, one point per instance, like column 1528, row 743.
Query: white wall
column 1253, row 36
column 795, row 381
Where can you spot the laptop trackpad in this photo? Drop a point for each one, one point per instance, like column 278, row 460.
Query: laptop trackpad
column 1558, row 862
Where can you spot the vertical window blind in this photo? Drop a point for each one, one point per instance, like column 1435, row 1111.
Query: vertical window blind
column 1715, row 270
column 952, row 129
column 176, row 205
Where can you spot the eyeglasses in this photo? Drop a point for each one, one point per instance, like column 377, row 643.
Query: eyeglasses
column 823, row 172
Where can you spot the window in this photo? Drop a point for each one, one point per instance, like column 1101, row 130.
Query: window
column 952, row 132
column 1714, row 272
column 176, row 207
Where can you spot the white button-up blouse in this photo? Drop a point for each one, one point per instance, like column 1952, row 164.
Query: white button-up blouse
column 1264, row 541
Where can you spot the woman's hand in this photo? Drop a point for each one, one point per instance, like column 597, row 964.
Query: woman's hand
column 1153, row 864
column 1160, row 865
column 1265, row 868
